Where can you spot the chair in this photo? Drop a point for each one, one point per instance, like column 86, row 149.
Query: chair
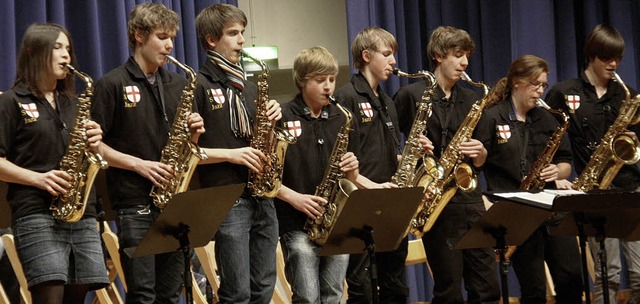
column 282, row 283
column 206, row 255
column 12, row 253
column 3, row 296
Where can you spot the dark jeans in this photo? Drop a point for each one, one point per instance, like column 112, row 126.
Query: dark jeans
column 153, row 278
column 449, row 267
column 246, row 252
column 563, row 259
column 391, row 278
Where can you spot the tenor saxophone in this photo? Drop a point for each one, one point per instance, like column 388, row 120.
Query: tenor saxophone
column 271, row 141
column 616, row 148
column 79, row 161
column 180, row 153
column 405, row 175
column 439, row 192
column 532, row 180
column 334, row 187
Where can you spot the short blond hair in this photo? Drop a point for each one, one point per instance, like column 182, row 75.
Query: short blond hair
column 148, row 17
column 312, row 62
column 368, row 39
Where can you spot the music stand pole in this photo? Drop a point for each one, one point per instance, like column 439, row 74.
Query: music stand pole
column 582, row 238
column 182, row 235
column 499, row 234
column 602, row 255
column 366, row 235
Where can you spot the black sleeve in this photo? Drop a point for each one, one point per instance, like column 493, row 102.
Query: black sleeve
column 103, row 104
column 9, row 114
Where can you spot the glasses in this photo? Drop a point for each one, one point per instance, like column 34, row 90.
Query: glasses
column 536, row 86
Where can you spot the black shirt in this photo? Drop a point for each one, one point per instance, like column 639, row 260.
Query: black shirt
column 513, row 146
column 307, row 160
column 591, row 117
column 376, row 121
column 213, row 105
column 135, row 122
column 442, row 125
column 35, row 136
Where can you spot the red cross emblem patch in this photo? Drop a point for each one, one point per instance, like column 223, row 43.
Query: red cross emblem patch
column 366, row 109
column 573, row 102
column 294, row 128
column 217, row 95
column 30, row 109
column 133, row 93
column 504, row 132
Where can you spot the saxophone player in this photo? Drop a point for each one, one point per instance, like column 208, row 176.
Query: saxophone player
column 516, row 136
column 448, row 50
column 593, row 102
column 136, row 105
column 316, row 123
column 246, row 240
column 61, row 261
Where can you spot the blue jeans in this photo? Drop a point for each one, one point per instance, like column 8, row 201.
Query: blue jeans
column 246, row 252
column 150, row 279
column 314, row 279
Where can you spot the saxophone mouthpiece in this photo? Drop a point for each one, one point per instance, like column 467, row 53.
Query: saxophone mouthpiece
column 465, row 77
column 397, row 72
column 331, row 98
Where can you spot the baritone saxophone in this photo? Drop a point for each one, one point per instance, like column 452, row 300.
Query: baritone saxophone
column 79, row 161
column 335, row 188
column 180, row 153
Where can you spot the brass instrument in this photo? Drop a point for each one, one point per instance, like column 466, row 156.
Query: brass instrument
column 438, row 193
column 79, row 161
column 616, row 148
column 267, row 138
column 180, row 153
column 405, row 175
column 532, row 180
column 334, row 187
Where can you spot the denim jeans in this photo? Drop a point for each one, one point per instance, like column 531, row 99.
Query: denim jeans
column 246, row 252
column 150, row 279
column 631, row 252
column 314, row 279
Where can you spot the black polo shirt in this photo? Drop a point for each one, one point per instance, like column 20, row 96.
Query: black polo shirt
column 307, row 160
column 136, row 119
column 513, row 146
column 34, row 136
column 377, row 128
column 447, row 116
column 591, row 117
column 213, row 105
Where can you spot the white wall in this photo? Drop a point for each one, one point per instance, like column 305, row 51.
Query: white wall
column 293, row 25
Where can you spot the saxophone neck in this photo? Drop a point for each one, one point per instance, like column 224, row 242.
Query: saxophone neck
column 484, row 87
column 262, row 64
column 191, row 74
column 88, row 81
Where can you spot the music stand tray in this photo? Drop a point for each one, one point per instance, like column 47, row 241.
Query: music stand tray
column 388, row 212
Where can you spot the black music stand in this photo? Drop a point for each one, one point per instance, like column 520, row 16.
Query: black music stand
column 509, row 221
column 190, row 220
column 599, row 214
column 387, row 212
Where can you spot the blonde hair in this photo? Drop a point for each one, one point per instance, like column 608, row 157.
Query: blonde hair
column 368, row 39
column 311, row 62
column 147, row 17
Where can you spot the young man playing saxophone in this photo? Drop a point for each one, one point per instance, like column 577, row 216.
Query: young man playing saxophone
column 246, row 240
column 135, row 104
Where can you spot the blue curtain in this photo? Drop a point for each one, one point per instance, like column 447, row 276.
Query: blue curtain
column 98, row 29
column 503, row 30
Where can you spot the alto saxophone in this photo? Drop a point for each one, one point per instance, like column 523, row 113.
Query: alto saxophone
column 79, row 161
column 616, row 148
column 271, row 141
column 405, row 175
column 180, row 153
column 439, row 193
column 532, row 180
column 334, row 187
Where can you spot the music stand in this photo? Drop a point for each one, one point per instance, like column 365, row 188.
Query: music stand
column 190, row 220
column 509, row 221
column 591, row 213
column 387, row 212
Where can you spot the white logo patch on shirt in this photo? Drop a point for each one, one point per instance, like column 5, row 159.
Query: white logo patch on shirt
column 294, row 128
column 30, row 109
column 573, row 102
column 504, row 133
column 217, row 95
column 132, row 93
column 366, row 109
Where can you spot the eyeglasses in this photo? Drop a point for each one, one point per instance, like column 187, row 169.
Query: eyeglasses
column 536, row 86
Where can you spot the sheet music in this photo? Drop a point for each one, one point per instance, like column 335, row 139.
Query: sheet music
column 545, row 198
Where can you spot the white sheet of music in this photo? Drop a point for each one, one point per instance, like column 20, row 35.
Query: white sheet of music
column 545, row 197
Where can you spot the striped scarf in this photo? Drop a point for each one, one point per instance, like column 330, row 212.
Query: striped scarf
column 240, row 124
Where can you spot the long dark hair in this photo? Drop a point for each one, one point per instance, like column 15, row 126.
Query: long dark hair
column 34, row 59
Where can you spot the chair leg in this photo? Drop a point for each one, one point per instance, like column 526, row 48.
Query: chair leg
column 12, row 253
